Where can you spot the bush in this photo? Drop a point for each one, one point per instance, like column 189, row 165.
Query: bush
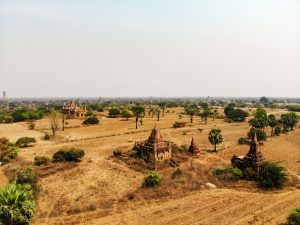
column 26, row 176
column 177, row 173
column 46, row 136
column 41, row 160
column 220, row 171
column 249, row 173
column 17, row 204
column 71, row 155
column 277, row 130
column 183, row 148
column 91, row 120
column 31, row 125
column 242, row 141
column 179, row 124
column 236, row 172
column 7, row 150
column 24, row 141
column 117, row 152
column 152, row 179
column 132, row 153
column 294, row 217
column 90, row 113
column 272, row 175
column 260, row 134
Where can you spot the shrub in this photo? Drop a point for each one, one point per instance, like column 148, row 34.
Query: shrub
column 177, row 173
column 24, row 141
column 91, row 120
column 272, row 175
column 152, row 179
column 41, row 160
column 132, row 153
column 7, row 150
column 236, row 172
column 179, row 124
column 17, row 204
column 26, row 176
column 46, row 136
column 183, row 148
column 242, row 141
column 130, row 196
column 249, row 173
column 71, row 155
column 31, row 125
column 294, row 217
column 277, row 130
column 260, row 134
column 220, row 171
column 90, row 113
column 117, row 152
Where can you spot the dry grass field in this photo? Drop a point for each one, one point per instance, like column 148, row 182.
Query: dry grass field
column 95, row 191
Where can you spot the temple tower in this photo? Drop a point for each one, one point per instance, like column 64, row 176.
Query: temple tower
column 193, row 149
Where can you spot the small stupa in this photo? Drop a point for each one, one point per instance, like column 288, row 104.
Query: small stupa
column 193, row 149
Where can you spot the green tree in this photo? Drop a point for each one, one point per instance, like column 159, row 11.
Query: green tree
column 23, row 142
column 191, row 110
column 215, row 137
column 138, row 112
column 205, row 114
column 126, row 114
column 260, row 119
column 114, row 112
column 157, row 112
column 163, row 106
column 272, row 175
column 289, row 120
column 272, row 122
column 264, row 99
column 17, row 204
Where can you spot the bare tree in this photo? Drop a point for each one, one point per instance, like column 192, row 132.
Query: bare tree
column 54, row 117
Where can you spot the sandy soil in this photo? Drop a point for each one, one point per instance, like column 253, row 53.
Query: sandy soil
column 94, row 191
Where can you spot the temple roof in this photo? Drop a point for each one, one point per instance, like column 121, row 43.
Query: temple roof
column 155, row 136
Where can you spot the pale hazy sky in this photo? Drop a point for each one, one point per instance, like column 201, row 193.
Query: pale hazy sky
column 92, row 48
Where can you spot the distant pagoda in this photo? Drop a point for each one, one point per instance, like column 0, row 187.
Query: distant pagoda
column 193, row 149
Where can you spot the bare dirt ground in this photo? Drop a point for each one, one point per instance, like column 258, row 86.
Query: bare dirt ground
column 95, row 190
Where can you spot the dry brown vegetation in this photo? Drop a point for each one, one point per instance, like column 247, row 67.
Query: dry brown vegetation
column 102, row 190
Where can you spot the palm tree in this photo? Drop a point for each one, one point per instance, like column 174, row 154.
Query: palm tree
column 17, row 204
column 215, row 137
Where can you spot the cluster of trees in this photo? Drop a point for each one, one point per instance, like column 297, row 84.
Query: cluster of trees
column 262, row 119
column 234, row 114
column 19, row 115
column 293, row 108
column 202, row 110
